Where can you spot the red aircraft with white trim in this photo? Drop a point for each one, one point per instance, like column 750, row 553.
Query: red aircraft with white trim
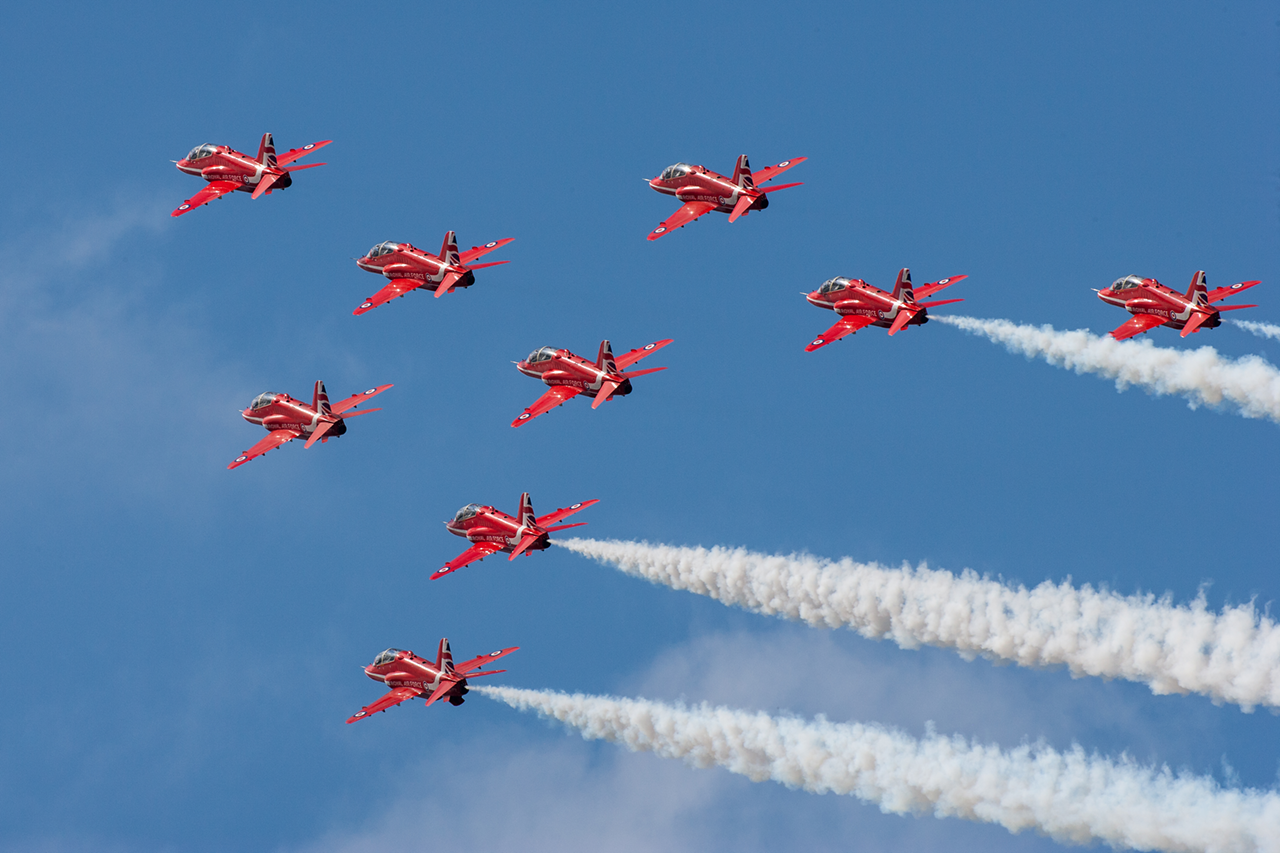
column 1152, row 304
column 286, row 418
column 860, row 305
column 409, row 268
column 570, row 375
column 490, row 530
column 228, row 170
column 411, row 677
column 703, row 191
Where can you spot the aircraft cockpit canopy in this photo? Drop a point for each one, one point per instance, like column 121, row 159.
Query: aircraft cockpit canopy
column 679, row 170
column 383, row 249
column 1126, row 282
column 386, row 657
column 202, row 151
column 468, row 511
column 263, row 400
column 543, row 354
column 834, row 284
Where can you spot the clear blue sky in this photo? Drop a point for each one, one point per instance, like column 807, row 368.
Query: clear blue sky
column 180, row 644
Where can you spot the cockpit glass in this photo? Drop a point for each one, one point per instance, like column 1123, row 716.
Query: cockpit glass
column 468, row 511
column 202, row 151
column 1126, row 282
column 541, row 354
column 833, row 284
column 386, row 657
column 383, row 249
column 679, row 170
column 263, row 400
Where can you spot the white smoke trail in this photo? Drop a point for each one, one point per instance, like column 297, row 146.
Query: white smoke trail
column 1262, row 330
column 1070, row 796
column 1203, row 376
column 1231, row 656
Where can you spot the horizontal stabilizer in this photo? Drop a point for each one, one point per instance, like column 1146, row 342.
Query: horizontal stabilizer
column 566, row 526
column 634, row 373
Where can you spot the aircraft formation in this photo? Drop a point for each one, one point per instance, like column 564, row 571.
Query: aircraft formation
column 567, row 375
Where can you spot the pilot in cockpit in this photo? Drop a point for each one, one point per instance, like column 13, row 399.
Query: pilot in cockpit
column 386, row 657
column 541, row 354
column 1126, row 282
column 468, row 511
column 202, row 151
column 383, row 249
column 263, row 400
column 678, row 170
column 833, row 284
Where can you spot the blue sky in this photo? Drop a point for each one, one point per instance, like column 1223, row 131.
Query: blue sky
column 180, row 643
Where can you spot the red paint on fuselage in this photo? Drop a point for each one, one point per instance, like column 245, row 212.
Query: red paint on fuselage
column 1139, row 295
column 561, row 367
column 853, row 296
column 702, row 184
column 410, row 670
column 486, row 524
column 228, row 164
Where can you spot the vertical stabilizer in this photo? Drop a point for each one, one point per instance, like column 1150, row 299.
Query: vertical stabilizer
column 902, row 287
column 1198, row 292
column 449, row 251
column 267, row 152
column 742, row 173
column 526, row 512
column 604, row 359
column 320, row 399
column 444, row 657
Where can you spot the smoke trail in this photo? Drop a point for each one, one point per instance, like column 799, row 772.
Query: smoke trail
column 1202, row 376
column 1070, row 796
column 1262, row 330
column 1229, row 656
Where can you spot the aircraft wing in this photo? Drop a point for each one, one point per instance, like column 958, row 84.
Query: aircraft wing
column 480, row 251
column 395, row 697
column 631, row 357
column 847, row 326
column 212, row 190
column 294, row 153
column 553, row 517
column 1224, row 292
column 396, row 287
column 555, row 396
column 483, row 660
column 682, row 217
column 1138, row 324
column 478, row 551
column 926, row 290
column 274, row 439
column 770, row 172
column 356, row 399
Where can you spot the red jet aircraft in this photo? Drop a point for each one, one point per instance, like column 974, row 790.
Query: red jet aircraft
column 860, row 305
column 228, row 170
column 410, row 676
column 490, row 531
column 409, row 268
column 1152, row 304
column 286, row 418
column 570, row 375
column 703, row 191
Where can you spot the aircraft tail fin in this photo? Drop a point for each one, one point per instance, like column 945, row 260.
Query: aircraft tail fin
column 320, row 399
column 527, row 518
column 444, row 657
column 604, row 359
column 449, row 250
column 267, row 152
column 902, row 287
column 742, row 173
column 1198, row 292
